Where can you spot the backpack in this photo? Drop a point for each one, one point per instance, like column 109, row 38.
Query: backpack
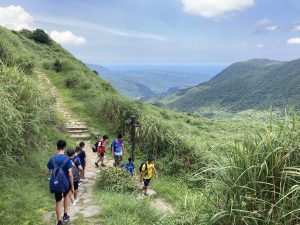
column 58, row 179
column 95, row 147
column 75, row 171
column 141, row 167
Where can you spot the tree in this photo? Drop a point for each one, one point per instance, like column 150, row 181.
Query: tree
column 41, row 36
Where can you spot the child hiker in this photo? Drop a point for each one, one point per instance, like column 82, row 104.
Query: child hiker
column 146, row 173
column 129, row 167
column 76, row 168
column 101, row 151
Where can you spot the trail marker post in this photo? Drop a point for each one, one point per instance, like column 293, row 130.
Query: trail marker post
column 133, row 124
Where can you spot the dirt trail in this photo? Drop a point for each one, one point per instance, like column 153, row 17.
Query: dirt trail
column 86, row 210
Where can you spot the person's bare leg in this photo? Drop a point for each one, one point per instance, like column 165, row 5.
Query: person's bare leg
column 58, row 210
column 75, row 195
column 66, row 205
column 83, row 173
column 145, row 189
column 72, row 197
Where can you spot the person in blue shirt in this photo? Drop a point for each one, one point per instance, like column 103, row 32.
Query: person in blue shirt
column 59, row 159
column 117, row 150
column 129, row 167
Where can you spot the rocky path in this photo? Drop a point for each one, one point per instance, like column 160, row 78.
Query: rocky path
column 86, row 210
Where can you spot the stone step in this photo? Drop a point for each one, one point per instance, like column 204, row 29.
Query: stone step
column 78, row 131
column 75, row 123
column 82, row 135
column 76, row 127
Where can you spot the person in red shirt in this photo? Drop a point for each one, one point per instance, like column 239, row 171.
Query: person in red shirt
column 101, row 150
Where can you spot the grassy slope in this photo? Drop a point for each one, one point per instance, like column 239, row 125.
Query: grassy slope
column 183, row 143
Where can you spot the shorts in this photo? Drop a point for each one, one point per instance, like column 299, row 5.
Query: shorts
column 83, row 165
column 100, row 154
column 146, row 182
column 76, row 185
column 118, row 157
column 59, row 196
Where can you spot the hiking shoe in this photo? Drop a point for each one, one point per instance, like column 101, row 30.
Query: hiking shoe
column 82, row 180
column 74, row 203
column 76, row 200
column 103, row 165
column 66, row 218
column 96, row 164
column 145, row 194
column 59, row 223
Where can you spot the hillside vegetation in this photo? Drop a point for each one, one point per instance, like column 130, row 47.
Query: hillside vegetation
column 237, row 171
column 255, row 84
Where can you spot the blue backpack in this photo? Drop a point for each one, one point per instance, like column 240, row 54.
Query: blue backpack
column 58, row 179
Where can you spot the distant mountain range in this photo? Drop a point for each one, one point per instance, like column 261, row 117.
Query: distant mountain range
column 252, row 84
column 149, row 83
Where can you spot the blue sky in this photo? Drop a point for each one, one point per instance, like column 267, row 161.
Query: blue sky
column 164, row 31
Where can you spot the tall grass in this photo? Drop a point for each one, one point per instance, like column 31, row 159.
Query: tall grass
column 120, row 208
column 258, row 181
column 25, row 110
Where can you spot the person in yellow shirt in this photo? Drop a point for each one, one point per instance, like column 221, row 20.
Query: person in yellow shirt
column 147, row 171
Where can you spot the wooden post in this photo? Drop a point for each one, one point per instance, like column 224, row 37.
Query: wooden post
column 132, row 136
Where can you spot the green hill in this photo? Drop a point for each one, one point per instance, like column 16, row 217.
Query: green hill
column 242, row 170
column 130, row 89
column 254, row 84
column 149, row 83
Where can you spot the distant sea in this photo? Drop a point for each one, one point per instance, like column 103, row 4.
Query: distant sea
column 201, row 69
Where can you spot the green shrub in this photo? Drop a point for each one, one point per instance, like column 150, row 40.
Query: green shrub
column 160, row 138
column 72, row 81
column 41, row 36
column 25, row 64
column 26, row 33
column 62, row 65
column 113, row 110
column 57, row 66
column 116, row 179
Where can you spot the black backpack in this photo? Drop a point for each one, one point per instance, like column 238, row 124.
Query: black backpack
column 141, row 167
column 58, row 179
column 95, row 146
column 75, row 171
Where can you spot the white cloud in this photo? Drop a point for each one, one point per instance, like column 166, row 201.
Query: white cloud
column 272, row 28
column 293, row 41
column 214, row 8
column 98, row 27
column 67, row 38
column 263, row 22
column 260, row 45
column 15, row 18
column 266, row 25
column 296, row 27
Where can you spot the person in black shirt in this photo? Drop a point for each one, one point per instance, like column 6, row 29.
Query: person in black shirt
column 82, row 157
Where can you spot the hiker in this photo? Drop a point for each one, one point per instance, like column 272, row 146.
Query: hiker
column 129, row 167
column 117, row 150
column 101, row 150
column 146, row 173
column 61, row 180
column 82, row 157
column 76, row 170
